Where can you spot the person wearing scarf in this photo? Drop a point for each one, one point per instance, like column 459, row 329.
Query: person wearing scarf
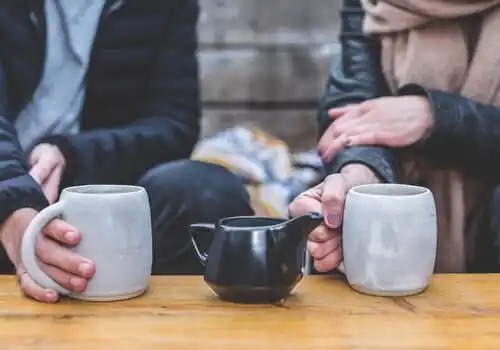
column 415, row 98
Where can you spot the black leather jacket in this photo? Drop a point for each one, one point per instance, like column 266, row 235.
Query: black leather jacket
column 466, row 134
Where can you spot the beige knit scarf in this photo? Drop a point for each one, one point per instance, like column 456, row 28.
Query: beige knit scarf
column 450, row 45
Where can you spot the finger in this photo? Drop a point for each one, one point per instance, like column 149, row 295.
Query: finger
column 328, row 136
column 63, row 278
column 306, row 202
column 359, row 129
column 329, row 263
column 321, row 233
column 332, row 132
column 51, row 253
column 42, row 169
column 321, row 250
column 371, row 138
column 353, row 111
column 334, row 147
column 340, row 111
column 333, row 198
column 348, row 125
column 51, row 186
column 34, row 291
column 62, row 232
column 327, row 146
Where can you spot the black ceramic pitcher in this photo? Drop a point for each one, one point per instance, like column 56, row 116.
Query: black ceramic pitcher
column 254, row 259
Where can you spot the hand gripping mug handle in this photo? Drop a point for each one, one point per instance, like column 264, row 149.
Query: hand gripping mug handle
column 28, row 256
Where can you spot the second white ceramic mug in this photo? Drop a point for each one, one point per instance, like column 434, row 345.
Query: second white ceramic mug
column 115, row 224
column 389, row 239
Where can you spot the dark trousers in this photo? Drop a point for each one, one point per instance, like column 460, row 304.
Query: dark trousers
column 182, row 193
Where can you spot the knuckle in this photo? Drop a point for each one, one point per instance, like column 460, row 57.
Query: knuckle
column 330, row 198
column 335, row 127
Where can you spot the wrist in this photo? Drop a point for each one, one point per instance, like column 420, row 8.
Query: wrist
column 424, row 95
column 12, row 230
column 427, row 115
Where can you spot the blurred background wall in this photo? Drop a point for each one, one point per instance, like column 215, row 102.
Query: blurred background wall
column 266, row 62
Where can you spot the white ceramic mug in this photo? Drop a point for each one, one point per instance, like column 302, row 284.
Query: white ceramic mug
column 389, row 239
column 115, row 224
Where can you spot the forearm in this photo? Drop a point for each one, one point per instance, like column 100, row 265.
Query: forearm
column 17, row 188
column 356, row 77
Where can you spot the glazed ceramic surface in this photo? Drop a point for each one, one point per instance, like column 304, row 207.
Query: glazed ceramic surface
column 389, row 239
column 253, row 259
column 115, row 224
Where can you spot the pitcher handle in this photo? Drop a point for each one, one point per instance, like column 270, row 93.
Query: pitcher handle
column 28, row 256
column 194, row 231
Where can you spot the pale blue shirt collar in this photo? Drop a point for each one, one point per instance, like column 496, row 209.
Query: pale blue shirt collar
column 56, row 105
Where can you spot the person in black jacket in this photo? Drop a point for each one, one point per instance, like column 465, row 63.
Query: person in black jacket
column 103, row 92
column 372, row 119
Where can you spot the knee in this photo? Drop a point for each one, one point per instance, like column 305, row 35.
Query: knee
column 194, row 183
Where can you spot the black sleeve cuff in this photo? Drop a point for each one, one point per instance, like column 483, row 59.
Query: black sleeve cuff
column 447, row 123
column 21, row 192
column 380, row 160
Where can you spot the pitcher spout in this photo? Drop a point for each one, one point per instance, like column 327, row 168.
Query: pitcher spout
column 295, row 230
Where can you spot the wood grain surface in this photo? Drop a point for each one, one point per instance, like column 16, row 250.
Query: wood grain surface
column 456, row 312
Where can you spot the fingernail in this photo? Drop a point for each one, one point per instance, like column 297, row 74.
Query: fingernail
column 71, row 236
column 85, row 268
column 51, row 294
column 333, row 220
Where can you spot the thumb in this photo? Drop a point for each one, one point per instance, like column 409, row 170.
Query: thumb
column 32, row 290
column 333, row 198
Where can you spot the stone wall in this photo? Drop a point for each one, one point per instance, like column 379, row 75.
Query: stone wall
column 265, row 62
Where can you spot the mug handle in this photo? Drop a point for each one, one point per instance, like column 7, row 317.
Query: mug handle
column 194, row 231
column 28, row 256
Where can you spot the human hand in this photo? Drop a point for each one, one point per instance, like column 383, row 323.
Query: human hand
column 387, row 121
column 53, row 254
column 324, row 243
column 47, row 167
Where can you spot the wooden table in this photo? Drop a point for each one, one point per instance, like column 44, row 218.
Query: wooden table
column 456, row 312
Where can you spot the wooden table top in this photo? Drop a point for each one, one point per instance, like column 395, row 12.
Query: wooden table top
column 456, row 312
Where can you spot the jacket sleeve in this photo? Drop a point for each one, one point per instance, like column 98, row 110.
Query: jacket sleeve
column 169, row 127
column 354, row 78
column 466, row 134
column 17, row 188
